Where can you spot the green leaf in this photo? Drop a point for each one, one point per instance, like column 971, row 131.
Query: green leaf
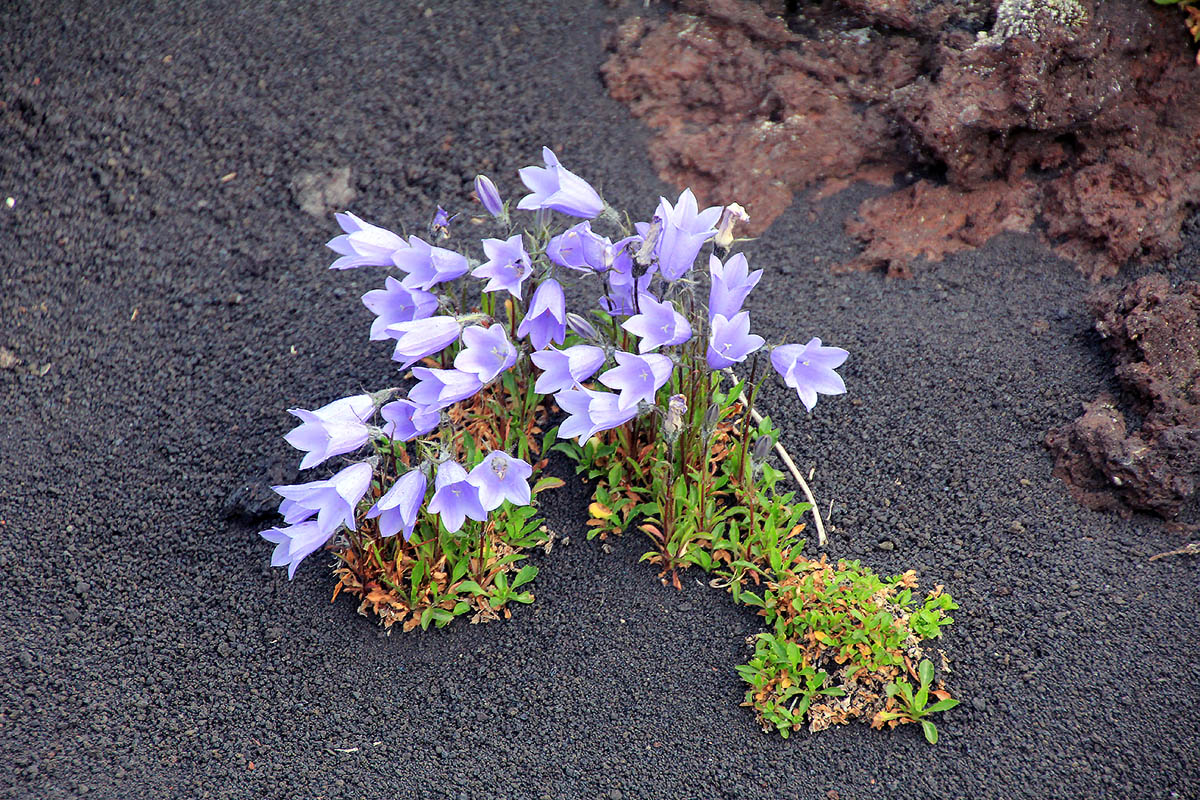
column 925, row 671
column 942, row 705
column 548, row 482
column 931, row 733
column 527, row 573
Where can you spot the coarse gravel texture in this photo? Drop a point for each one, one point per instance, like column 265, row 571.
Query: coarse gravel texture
column 149, row 650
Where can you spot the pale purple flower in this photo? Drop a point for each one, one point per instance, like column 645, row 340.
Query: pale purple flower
column 334, row 499
column 441, row 223
column 507, row 265
column 455, row 498
column 579, row 249
column 333, row 429
column 545, row 321
column 563, row 369
column 363, row 244
column 397, row 303
column 292, row 512
column 731, row 282
column 684, row 232
column 501, row 477
column 422, row 337
column 294, row 544
column 398, row 508
column 427, row 265
column 558, row 189
column 590, row 412
column 637, row 378
column 486, row 191
column 439, row 388
column 487, row 352
column 809, row 369
column 658, row 324
column 731, row 340
column 406, row 420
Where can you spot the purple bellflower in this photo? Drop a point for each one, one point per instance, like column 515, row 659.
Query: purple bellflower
column 590, row 412
column 397, row 510
column 507, row 265
column 488, row 195
column 809, row 369
column 406, row 420
column 637, row 378
column 487, row 352
column 454, row 498
column 397, row 303
column 292, row 512
column 684, row 232
column 331, row 430
column 558, row 189
column 422, row 337
column 731, row 282
column 363, row 244
column 564, row 369
column 501, row 477
column 545, row 321
column 658, row 324
column 294, row 544
column 439, row 388
column 427, row 265
column 731, row 340
column 579, row 249
column 334, row 499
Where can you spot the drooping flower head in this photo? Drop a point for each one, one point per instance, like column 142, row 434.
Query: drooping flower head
column 731, row 282
column 731, row 340
column 455, row 498
column 684, row 232
column 396, row 303
column 406, row 420
column 658, row 324
column 333, row 500
column 331, row 430
column 439, row 388
column 507, row 265
column 399, row 507
column 730, row 216
column 579, row 249
column 426, row 265
column 295, row 543
column 545, row 321
column 422, row 337
column 809, row 369
column 487, row 353
column 589, row 412
column 563, row 369
column 363, row 244
column 637, row 378
column 554, row 187
column 488, row 195
column 501, row 477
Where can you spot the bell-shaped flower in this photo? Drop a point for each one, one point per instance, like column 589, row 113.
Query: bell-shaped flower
column 809, row 369
column 331, row 430
column 489, row 196
column 406, row 420
column 363, row 244
column 399, row 507
column 579, row 249
column 589, row 412
column 637, row 378
column 422, row 337
column 564, row 369
column 507, row 265
column 397, row 303
column 439, row 388
column 501, row 477
column 545, row 321
column 487, row 352
column 731, row 340
column 731, row 282
column 658, row 324
column 455, row 498
column 684, row 232
column 558, row 189
column 334, row 499
column 292, row 512
column 295, row 543
column 427, row 265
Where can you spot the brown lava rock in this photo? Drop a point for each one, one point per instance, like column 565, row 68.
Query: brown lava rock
column 1085, row 113
column 1154, row 333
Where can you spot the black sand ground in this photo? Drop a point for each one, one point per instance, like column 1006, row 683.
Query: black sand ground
column 148, row 649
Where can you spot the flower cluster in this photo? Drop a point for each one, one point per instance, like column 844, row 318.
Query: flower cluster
column 652, row 336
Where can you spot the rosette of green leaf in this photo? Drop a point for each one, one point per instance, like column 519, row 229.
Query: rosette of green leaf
column 913, row 707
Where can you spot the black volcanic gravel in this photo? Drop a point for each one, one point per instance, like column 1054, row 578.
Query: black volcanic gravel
column 149, row 650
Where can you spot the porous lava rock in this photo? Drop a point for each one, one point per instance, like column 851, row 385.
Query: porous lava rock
column 1084, row 115
column 1154, row 335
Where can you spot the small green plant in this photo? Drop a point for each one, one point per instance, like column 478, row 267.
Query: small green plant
column 913, row 707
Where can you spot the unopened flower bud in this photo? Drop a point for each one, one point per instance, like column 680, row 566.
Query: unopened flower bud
column 762, row 448
column 673, row 423
column 581, row 326
column 486, row 191
column 712, row 417
column 732, row 214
